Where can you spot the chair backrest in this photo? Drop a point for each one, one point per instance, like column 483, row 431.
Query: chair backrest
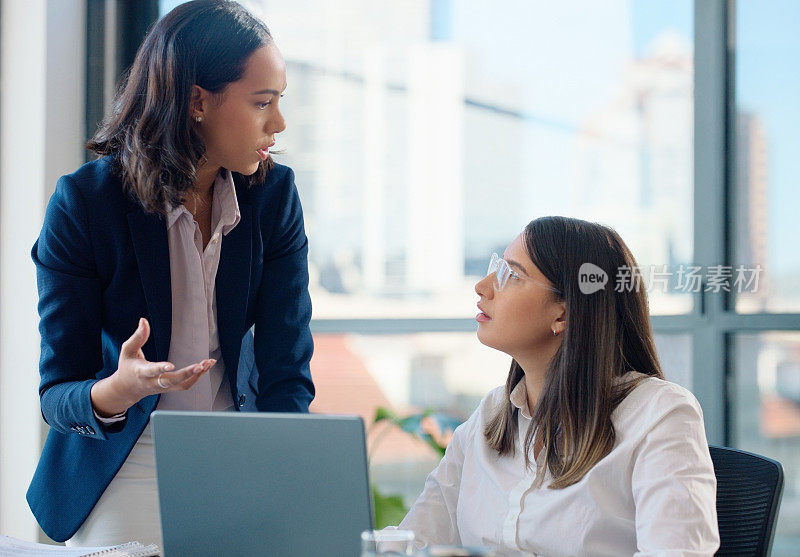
column 749, row 488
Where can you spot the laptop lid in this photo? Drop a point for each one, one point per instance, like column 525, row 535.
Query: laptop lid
column 234, row 483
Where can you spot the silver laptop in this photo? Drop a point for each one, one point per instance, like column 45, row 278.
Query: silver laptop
column 235, row 483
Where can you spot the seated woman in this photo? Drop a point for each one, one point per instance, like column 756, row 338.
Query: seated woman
column 586, row 450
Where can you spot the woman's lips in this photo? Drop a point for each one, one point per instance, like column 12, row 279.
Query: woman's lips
column 482, row 318
column 264, row 153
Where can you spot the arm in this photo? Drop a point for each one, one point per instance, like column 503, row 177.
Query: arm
column 70, row 296
column 433, row 517
column 674, row 486
column 71, row 313
column 283, row 344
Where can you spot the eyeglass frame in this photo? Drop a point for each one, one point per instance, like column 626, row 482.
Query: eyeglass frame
column 498, row 264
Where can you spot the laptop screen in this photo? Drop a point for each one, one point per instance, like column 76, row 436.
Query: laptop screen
column 233, row 483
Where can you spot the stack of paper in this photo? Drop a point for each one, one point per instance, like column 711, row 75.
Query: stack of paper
column 12, row 546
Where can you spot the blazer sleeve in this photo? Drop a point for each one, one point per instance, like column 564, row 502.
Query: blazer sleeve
column 283, row 343
column 70, row 295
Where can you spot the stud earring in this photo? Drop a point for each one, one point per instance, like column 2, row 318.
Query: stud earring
column 198, row 119
column 555, row 334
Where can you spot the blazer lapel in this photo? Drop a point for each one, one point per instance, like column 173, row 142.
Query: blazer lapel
column 149, row 234
column 233, row 287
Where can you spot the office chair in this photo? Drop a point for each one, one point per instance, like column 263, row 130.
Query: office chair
column 749, row 488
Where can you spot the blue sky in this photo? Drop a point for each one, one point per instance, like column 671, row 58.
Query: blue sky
column 650, row 17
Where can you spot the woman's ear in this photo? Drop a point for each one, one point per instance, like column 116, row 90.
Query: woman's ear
column 559, row 324
column 197, row 102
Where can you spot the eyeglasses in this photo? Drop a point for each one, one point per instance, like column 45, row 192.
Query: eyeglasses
column 503, row 272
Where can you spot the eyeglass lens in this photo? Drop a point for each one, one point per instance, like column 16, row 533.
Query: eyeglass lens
column 498, row 265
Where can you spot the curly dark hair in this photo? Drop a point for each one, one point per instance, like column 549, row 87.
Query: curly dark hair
column 150, row 131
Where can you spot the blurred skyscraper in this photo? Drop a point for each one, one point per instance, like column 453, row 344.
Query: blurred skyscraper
column 751, row 205
column 635, row 156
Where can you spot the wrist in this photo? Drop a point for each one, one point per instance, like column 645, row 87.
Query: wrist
column 121, row 392
column 108, row 397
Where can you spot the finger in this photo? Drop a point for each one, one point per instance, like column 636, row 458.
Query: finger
column 196, row 374
column 189, row 383
column 177, row 377
column 163, row 384
column 132, row 346
column 154, row 369
column 188, row 372
column 180, row 381
column 172, row 384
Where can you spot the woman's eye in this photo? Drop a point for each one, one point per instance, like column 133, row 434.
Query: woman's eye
column 262, row 106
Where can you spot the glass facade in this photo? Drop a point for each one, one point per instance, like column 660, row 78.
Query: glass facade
column 425, row 135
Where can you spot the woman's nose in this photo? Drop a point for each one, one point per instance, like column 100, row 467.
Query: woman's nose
column 485, row 286
column 278, row 124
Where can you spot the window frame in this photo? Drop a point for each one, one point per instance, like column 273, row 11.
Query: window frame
column 713, row 321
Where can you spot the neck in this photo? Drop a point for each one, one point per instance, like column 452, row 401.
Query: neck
column 535, row 365
column 206, row 174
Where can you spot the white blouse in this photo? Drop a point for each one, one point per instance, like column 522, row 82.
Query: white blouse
column 653, row 494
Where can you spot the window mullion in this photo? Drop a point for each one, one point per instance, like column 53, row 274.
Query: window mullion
column 711, row 122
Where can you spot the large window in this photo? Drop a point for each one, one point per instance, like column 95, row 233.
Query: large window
column 426, row 134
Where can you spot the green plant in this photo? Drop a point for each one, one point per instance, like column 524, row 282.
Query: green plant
column 388, row 509
column 433, row 428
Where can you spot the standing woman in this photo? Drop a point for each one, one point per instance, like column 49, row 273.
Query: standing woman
column 156, row 259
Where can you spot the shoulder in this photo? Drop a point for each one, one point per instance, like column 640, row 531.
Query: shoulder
column 277, row 186
column 275, row 207
column 485, row 410
column 279, row 174
column 472, row 429
column 488, row 406
column 494, row 399
column 661, row 392
column 94, row 174
column 654, row 400
column 95, row 183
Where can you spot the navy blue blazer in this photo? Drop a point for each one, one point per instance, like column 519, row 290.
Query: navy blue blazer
column 102, row 262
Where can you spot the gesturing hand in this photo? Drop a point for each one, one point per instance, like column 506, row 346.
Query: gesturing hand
column 137, row 378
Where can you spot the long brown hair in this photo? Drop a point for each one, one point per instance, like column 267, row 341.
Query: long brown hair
column 608, row 334
column 150, row 130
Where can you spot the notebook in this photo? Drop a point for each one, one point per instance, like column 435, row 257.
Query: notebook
column 234, row 483
column 21, row 548
column 130, row 549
